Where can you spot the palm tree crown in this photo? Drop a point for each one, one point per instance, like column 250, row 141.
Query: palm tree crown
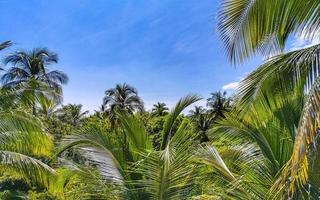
column 123, row 97
column 33, row 65
column 202, row 121
column 218, row 104
column 160, row 109
column 197, row 111
column 72, row 113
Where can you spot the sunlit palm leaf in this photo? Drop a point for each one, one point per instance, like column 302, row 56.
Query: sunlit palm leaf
column 248, row 26
column 237, row 172
column 95, row 147
column 306, row 138
column 34, row 170
column 210, row 156
column 22, row 139
column 168, row 173
column 281, row 74
column 171, row 118
column 20, row 132
column 135, row 131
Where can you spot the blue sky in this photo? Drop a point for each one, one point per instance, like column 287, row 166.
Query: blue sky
column 164, row 48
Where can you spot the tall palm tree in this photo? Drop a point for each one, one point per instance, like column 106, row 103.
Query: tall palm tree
column 159, row 109
column 29, row 72
column 248, row 27
column 218, row 104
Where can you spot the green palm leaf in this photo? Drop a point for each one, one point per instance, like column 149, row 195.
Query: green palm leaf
column 171, row 118
column 168, row 173
column 298, row 168
column 21, row 140
column 249, row 26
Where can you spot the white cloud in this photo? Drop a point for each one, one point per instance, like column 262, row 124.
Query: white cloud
column 231, row 86
column 303, row 42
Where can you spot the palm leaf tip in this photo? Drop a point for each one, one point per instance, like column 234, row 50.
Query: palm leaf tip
column 173, row 115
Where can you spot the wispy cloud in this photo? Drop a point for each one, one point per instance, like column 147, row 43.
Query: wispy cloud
column 231, row 86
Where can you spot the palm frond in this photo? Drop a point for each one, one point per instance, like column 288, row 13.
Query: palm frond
column 251, row 26
column 281, row 74
column 298, row 168
column 167, row 174
column 99, row 149
column 33, row 170
column 135, row 132
column 210, row 156
column 5, row 44
column 171, row 118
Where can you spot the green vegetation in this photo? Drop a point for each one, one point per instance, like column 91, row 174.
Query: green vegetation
column 261, row 143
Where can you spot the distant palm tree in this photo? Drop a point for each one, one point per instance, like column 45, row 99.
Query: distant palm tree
column 218, row 104
column 202, row 121
column 123, row 97
column 72, row 113
column 197, row 111
column 30, row 74
column 159, row 109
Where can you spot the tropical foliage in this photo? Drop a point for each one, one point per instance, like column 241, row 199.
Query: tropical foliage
column 260, row 143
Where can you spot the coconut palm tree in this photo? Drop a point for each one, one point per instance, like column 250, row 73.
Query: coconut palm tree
column 72, row 113
column 218, row 104
column 147, row 173
column 202, row 121
column 30, row 75
column 248, row 27
column 121, row 98
column 159, row 109
column 197, row 111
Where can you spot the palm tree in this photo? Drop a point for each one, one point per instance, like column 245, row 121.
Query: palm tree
column 30, row 74
column 248, row 27
column 218, row 104
column 159, row 109
column 202, row 121
column 121, row 98
column 268, row 130
column 197, row 111
column 72, row 113
column 147, row 173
